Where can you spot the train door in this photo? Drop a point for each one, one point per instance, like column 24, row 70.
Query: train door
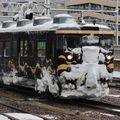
column 1, row 49
column 51, row 47
column 5, row 50
column 26, row 50
column 1, row 55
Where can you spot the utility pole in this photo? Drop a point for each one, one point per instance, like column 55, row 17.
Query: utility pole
column 117, row 22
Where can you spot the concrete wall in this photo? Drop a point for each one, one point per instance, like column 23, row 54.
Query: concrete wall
column 117, row 57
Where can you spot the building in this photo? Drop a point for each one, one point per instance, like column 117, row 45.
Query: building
column 57, row 4
column 93, row 14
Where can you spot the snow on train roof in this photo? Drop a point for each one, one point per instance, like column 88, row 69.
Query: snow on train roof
column 63, row 15
column 96, row 25
column 49, row 25
column 28, row 27
column 43, row 17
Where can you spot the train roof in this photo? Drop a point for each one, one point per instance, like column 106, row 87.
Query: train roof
column 59, row 22
column 102, row 27
column 26, row 25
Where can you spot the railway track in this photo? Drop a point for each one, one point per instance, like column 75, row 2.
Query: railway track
column 97, row 105
column 87, row 103
column 12, row 99
column 17, row 110
column 115, row 83
column 44, row 106
column 104, row 107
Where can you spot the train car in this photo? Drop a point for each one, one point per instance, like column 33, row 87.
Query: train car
column 57, row 55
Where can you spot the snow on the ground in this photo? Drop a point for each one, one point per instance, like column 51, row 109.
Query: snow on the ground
column 117, row 96
column 116, row 74
column 49, row 117
column 23, row 116
column 3, row 118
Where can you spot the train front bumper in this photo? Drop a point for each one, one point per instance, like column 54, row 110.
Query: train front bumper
column 85, row 80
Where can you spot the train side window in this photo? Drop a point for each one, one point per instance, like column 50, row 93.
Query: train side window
column 1, row 49
column 14, row 48
column 61, row 42
column 24, row 48
column 7, row 49
column 21, row 48
column 41, row 46
column 31, row 48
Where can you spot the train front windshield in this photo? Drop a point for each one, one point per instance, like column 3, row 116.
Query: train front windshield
column 68, row 41
column 89, row 40
column 76, row 41
column 106, row 42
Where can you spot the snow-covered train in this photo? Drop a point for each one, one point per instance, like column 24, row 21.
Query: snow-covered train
column 57, row 55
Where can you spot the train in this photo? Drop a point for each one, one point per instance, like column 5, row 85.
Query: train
column 57, row 55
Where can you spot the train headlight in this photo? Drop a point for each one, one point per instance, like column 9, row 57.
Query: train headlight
column 69, row 57
column 109, row 57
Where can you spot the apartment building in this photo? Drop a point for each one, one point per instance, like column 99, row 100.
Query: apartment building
column 93, row 14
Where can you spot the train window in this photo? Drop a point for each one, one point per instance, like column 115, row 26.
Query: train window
column 41, row 46
column 31, row 48
column 14, row 48
column 106, row 42
column 21, row 48
column 1, row 49
column 89, row 28
column 64, row 20
column 7, row 49
column 73, row 41
column 24, row 48
column 60, row 42
column 68, row 41
column 90, row 40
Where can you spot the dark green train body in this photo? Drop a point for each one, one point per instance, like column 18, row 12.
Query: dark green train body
column 42, row 58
